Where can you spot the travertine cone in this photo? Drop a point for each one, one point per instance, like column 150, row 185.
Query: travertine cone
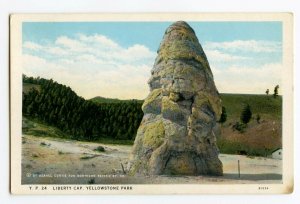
column 178, row 132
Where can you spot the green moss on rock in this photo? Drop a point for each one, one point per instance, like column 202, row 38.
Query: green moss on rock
column 154, row 134
column 174, row 96
column 152, row 102
column 177, row 136
column 210, row 99
column 168, row 105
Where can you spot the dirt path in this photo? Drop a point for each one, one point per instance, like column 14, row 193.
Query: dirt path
column 58, row 161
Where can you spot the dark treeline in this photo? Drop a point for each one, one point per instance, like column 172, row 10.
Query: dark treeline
column 58, row 105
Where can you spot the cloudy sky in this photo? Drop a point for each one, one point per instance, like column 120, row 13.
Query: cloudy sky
column 114, row 60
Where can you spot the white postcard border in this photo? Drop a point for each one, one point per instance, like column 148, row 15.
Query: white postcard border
column 16, row 105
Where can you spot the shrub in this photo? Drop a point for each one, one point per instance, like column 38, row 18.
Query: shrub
column 239, row 127
column 35, row 155
column 43, row 144
column 91, row 181
column 100, row 149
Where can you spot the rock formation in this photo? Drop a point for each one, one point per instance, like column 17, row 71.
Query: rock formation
column 178, row 132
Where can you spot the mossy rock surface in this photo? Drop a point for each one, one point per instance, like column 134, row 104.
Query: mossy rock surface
column 154, row 135
column 172, row 111
column 184, row 105
column 182, row 164
column 212, row 100
column 152, row 103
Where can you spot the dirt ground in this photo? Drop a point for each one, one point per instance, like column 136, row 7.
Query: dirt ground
column 59, row 161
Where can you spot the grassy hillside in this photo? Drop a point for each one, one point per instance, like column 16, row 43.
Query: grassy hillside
column 57, row 111
column 37, row 128
column 267, row 106
column 100, row 99
column 258, row 138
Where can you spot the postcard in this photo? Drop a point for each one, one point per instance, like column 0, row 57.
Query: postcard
column 151, row 103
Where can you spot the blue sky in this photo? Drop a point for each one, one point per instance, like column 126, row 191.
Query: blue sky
column 245, row 57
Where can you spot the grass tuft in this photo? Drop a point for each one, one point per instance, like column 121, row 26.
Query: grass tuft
column 43, row 144
column 99, row 149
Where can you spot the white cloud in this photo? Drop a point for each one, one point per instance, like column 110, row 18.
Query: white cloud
column 68, row 43
column 252, row 80
column 92, row 65
column 56, row 51
column 98, row 66
column 246, row 46
column 100, row 40
column 245, row 66
column 31, row 46
column 217, row 56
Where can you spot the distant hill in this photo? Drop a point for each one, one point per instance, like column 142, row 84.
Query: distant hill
column 29, row 86
column 264, row 105
column 52, row 104
column 100, row 99
column 259, row 138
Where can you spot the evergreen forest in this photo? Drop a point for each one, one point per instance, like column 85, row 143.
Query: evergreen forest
column 58, row 105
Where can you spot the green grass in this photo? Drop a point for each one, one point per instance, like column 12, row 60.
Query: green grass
column 114, row 141
column 99, row 99
column 37, row 128
column 269, row 109
column 265, row 106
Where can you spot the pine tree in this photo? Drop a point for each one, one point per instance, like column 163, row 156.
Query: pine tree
column 223, row 117
column 246, row 114
column 276, row 91
column 58, row 105
column 267, row 91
